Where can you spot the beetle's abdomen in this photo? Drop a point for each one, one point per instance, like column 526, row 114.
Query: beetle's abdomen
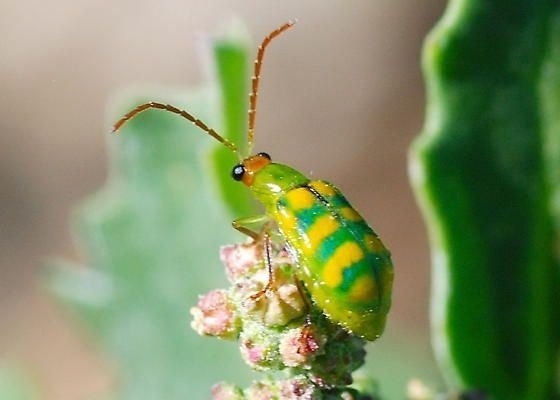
column 343, row 264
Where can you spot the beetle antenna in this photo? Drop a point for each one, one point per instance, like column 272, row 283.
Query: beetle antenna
column 256, row 78
column 168, row 107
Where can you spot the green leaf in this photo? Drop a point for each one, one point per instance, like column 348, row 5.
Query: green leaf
column 485, row 170
column 232, row 73
column 151, row 238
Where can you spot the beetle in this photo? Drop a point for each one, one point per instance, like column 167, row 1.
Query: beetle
column 341, row 261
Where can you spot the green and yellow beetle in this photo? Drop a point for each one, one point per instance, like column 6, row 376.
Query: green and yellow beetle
column 341, row 261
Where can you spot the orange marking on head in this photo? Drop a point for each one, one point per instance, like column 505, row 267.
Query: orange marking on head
column 253, row 165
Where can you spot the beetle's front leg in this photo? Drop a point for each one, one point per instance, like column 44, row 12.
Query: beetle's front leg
column 262, row 235
column 241, row 225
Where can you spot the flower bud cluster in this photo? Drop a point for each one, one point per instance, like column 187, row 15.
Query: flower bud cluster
column 277, row 328
column 294, row 388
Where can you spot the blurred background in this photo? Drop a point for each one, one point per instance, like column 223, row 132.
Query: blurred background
column 341, row 99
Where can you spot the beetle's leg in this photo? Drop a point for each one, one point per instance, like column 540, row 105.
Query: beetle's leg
column 240, row 225
column 305, row 299
column 268, row 262
column 263, row 235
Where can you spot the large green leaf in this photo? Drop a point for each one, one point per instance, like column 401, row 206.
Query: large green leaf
column 486, row 173
column 151, row 238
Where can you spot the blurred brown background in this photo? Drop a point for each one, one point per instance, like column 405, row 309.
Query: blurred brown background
column 341, row 98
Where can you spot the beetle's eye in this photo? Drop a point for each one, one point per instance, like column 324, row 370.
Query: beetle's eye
column 265, row 155
column 237, row 172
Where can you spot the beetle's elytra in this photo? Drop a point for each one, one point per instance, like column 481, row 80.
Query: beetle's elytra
column 341, row 261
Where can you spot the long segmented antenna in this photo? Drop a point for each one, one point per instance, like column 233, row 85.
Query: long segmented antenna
column 168, row 107
column 256, row 78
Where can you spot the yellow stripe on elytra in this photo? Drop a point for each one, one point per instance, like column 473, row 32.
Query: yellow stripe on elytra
column 287, row 220
column 350, row 214
column 300, row 199
column 323, row 188
column 364, row 289
column 344, row 256
column 373, row 243
column 323, row 226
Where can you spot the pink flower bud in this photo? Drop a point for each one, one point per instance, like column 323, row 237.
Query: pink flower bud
column 262, row 391
column 299, row 345
column 279, row 305
column 253, row 353
column 214, row 315
column 298, row 388
column 239, row 259
column 226, row 391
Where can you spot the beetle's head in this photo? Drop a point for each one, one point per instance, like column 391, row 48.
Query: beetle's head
column 266, row 179
column 246, row 170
